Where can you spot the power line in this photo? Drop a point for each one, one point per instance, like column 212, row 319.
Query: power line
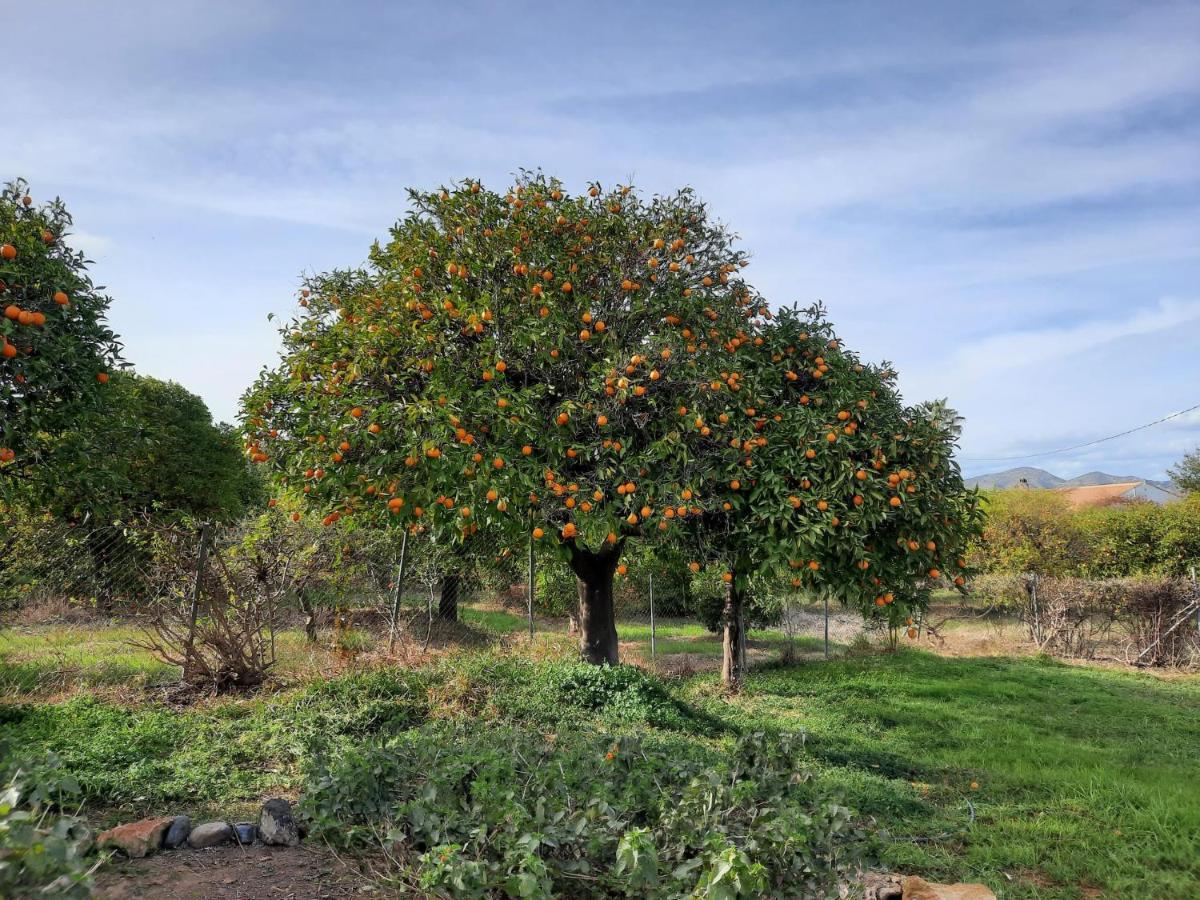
column 1174, row 415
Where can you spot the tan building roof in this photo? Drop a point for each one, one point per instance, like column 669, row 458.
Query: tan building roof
column 1096, row 494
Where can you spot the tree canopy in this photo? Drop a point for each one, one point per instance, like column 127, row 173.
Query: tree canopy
column 56, row 352
column 1186, row 473
column 151, row 450
column 592, row 369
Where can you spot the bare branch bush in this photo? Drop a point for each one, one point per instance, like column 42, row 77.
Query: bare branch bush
column 230, row 645
column 1159, row 618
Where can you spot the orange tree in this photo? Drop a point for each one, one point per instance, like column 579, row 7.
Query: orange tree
column 825, row 480
column 511, row 363
column 590, row 370
column 55, row 349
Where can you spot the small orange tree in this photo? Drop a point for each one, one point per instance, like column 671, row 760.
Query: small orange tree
column 825, row 478
column 55, row 349
column 511, row 362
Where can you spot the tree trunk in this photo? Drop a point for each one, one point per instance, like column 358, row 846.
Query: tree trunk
column 597, row 615
column 733, row 650
column 448, row 600
column 310, row 615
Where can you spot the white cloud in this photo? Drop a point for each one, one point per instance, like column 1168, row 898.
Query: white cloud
column 988, row 356
column 910, row 178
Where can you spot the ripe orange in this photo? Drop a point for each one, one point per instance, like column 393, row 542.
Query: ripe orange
column 61, row 298
column 8, row 251
column 102, row 377
column 537, row 533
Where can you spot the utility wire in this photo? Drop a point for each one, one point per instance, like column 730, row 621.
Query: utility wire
column 1175, row 415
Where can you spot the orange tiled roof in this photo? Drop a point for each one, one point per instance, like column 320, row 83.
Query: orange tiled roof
column 1095, row 494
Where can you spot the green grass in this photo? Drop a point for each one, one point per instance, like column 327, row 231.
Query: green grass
column 493, row 620
column 1089, row 778
column 48, row 660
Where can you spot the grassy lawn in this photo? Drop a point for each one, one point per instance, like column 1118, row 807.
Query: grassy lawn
column 1088, row 779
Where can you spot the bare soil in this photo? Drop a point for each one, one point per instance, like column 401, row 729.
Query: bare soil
column 240, row 873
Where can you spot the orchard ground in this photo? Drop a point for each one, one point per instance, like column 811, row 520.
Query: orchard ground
column 979, row 760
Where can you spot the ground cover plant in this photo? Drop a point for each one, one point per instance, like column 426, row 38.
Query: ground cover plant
column 1081, row 779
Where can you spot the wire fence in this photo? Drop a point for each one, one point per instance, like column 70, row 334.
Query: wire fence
column 230, row 589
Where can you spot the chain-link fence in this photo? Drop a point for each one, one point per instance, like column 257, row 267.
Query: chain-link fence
column 232, row 590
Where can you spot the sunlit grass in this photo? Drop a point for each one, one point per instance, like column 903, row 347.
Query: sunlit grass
column 1087, row 778
column 54, row 659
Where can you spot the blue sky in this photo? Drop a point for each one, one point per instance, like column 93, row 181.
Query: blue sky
column 1003, row 199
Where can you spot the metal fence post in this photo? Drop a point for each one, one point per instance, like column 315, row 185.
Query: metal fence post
column 1196, row 590
column 397, row 592
column 530, row 588
column 652, row 615
column 194, row 611
column 826, row 625
column 1037, row 624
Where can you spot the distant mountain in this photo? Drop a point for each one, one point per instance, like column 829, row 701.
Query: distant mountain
column 1040, row 479
column 1098, row 478
column 1035, row 478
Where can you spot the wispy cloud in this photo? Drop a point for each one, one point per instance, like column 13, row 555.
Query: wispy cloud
column 994, row 198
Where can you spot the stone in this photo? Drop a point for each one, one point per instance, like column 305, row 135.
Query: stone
column 181, row 827
column 881, row 886
column 136, row 839
column 919, row 889
column 277, row 825
column 245, row 832
column 209, row 835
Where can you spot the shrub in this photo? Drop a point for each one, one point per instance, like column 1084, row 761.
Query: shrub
column 473, row 813
column 1036, row 531
column 41, row 850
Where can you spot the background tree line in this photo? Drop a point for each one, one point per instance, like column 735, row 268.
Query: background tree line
column 1038, row 531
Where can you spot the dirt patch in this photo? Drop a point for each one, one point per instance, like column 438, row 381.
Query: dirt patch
column 237, row 873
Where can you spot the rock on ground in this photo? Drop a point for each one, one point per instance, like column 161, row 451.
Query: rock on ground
column 277, row 825
column 209, row 835
column 181, row 827
column 136, row 839
column 882, row 886
column 919, row 889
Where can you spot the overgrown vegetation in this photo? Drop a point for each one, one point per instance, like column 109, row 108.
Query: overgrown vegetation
column 1085, row 776
column 42, row 848
column 1037, row 531
column 468, row 812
